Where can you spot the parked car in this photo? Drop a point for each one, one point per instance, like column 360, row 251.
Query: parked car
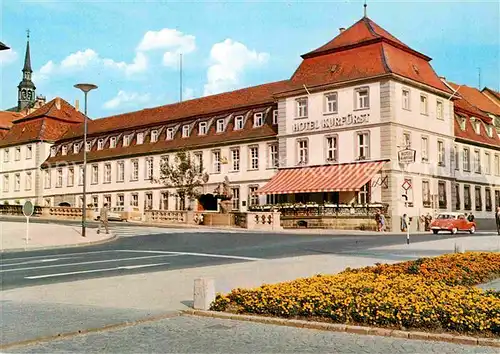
column 114, row 214
column 452, row 222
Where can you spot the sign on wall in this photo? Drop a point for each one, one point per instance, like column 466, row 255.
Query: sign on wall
column 407, row 156
column 331, row 122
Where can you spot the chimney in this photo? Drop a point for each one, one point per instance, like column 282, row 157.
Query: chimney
column 58, row 103
column 342, row 29
column 77, row 105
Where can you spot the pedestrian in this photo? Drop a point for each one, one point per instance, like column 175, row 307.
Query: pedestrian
column 382, row 222
column 404, row 223
column 377, row 219
column 428, row 220
column 470, row 218
column 103, row 219
column 497, row 218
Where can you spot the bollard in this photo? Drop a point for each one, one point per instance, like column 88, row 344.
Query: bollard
column 459, row 248
column 204, row 293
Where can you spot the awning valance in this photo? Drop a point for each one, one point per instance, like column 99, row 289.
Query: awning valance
column 329, row 178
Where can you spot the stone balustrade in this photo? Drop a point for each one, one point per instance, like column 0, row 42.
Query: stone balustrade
column 166, row 217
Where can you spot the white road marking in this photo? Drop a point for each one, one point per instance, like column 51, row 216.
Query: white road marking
column 89, row 262
column 30, row 262
column 62, row 254
column 95, row 271
column 198, row 254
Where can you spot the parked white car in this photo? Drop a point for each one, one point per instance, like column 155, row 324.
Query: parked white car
column 114, row 214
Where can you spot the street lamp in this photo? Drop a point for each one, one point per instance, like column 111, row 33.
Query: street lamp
column 85, row 88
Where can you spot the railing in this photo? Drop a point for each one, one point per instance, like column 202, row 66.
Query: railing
column 319, row 210
column 166, row 217
column 18, row 210
column 65, row 212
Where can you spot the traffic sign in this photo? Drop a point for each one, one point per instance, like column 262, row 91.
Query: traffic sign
column 406, row 184
column 28, row 208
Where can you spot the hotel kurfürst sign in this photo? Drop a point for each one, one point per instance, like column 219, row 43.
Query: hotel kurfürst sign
column 330, row 122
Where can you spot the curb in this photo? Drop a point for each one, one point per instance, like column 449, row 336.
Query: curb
column 89, row 331
column 335, row 327
column 71, row 245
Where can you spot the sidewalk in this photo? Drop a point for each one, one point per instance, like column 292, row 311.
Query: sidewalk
column 42, row 236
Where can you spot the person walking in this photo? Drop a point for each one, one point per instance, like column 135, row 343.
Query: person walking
column 103, row 219
column 470, row 218
column 382, row 222
column 497, row 219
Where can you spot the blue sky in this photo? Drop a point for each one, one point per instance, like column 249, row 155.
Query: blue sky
column 130, row 48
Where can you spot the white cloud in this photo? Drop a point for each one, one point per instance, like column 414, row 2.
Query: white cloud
column 230, row 59
column 124, row 98
column 171, row 40
column 7, row 57
column 187, row 93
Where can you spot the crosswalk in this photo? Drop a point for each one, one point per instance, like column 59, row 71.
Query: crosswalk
column 131, row 231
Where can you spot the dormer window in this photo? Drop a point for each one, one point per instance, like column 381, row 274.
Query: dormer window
column 170, row 133
column 140, row 138
column 489, row 130
column 154, row 136
column 89, row 146
column 126, row 140
column 275, row 116
column 258, row 120
column 100, row 144
column 220, row 125
column 52, row 151
column 112, row 142
column 238, row 122
column 476, row 124
column 202, row 128
column 76, row 148
column 64, row 149
column 185, row 131
column 462, row 122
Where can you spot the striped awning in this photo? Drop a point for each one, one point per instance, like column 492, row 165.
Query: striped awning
column 329, row 178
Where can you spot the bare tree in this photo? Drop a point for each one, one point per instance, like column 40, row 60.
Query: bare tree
column 184, row 174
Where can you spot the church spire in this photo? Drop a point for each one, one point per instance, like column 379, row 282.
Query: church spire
column 27, row 57
column 26, row 88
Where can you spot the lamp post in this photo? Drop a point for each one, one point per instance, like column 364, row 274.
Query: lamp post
column 85, row 88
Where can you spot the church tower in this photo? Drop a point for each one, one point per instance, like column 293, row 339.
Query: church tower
column 26, row 88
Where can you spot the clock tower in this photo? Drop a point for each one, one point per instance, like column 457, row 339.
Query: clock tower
column 26, row 88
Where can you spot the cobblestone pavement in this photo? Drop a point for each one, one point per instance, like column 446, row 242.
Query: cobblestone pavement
column 186, row 334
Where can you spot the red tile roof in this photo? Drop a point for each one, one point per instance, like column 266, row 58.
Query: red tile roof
column 470, row 135
column 57, row 109
column 6, row 119
column 209, row 105
column 492, row 92
column 476, row 98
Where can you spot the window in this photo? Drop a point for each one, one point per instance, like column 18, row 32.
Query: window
column 76, row 148
column 489, row 130
column 457, row 196
column 95, row 174
column 301, row 108
column 466, row 159
column 425, row 149
column 497, row 199
column 89, row 146
column 235, row 159
column 154, row 136
column 28, row 182
column 52, row 151
column 363, row 145
column 95, row 201
column 100, row 144
column 275, row 116
column 120, row 200
column 59, row 179
column 6, row 155
column 477, row 125
column 479, row 199
column 273, row 156
column 107, row 173
column 426, row 194
column 134, row 200
column 441, row 153
column 185, row 131
column 258, row 120
column 202, row 128
column 439, row 110
column 331, row 105
column 134, row 176
column 236, row 198
column 423, row 105
column 253, row 198
column 442, row 195
column 64, row 150
column 140, row 138
column 407, row 140
column 17, row 154
column 6, row 183
column 71, row 176
column 198, row 156
column 170, row 133
column 457, row 158
column 238, row 122
column 148, row 201
column 80, row 176
column 29, row 152
column 254, row 157
column 467, row 199
column 477, row 161
column 364, row 194
column 107, row 200
column 497, row 165
column 120, row 171
column 164, row 201
column 487, row 196
column 47, row 179
column 487, row 163
column 220, row 125
column 302, row 152
column 149, row 168
column 126, row 140
column 362, row 98
column 331, row 149
column 216, row 161
column 462, row 121
column 17, row 182
column 112, row 142
column 406, row 99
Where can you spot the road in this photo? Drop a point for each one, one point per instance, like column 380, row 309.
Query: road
column 148, row 249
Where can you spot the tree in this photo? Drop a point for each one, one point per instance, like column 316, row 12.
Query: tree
column 184, row 174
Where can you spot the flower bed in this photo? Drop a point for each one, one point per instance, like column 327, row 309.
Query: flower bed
column 419, row 294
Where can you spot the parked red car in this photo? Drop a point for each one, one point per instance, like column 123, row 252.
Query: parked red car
column 452, row 222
